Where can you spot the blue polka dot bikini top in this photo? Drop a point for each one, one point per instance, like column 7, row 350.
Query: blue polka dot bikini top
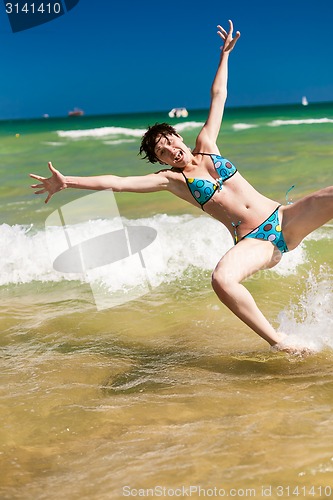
column 202, row 189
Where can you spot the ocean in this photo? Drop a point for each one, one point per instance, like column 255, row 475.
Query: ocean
column 131, row 379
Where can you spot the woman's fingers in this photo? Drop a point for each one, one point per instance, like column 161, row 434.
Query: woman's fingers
column 227, row 37
column 222, row 29
column 38, row 177
column 48, row 198
column 51, row 167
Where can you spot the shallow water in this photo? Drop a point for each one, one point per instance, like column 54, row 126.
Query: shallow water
column 90, row 418
column 169, row 390
column 174, row 392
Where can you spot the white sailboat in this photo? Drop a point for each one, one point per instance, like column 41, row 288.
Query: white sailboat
column 304, row 101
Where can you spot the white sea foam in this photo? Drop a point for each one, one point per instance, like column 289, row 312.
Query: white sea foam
column 323, row 232
column 183, row 241
column 243, row 126
column 24, row 256
column 119, row 132
column 103, row 132
column 188, row 126
column 307, row 121
column 278, row 123
column 115, row 142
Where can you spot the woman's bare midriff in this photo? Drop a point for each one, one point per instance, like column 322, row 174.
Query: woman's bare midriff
column 236, row 204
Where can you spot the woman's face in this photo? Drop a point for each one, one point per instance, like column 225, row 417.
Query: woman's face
column 171, row 150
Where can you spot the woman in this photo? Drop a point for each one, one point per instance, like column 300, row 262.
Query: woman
column 262, row 229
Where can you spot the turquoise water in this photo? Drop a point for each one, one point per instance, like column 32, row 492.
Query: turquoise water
column 168, row 389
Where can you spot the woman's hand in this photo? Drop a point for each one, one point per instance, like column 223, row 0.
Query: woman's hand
column 229, row 40
column 50, row 185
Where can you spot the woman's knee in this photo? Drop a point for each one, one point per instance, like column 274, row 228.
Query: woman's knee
column 306, row 215
column 222, row 281
column 323, row 196
column 328, row 191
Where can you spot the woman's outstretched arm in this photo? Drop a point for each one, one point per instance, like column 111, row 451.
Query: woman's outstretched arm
column 136, row 184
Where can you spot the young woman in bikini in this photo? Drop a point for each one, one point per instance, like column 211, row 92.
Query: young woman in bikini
column 262, row 229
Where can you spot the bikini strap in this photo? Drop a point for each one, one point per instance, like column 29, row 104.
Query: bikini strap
column 289, row 202
column 235, row 226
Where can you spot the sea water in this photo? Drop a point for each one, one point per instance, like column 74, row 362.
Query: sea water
column 167, row 394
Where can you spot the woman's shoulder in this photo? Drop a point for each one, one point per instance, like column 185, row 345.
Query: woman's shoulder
column 169, row 173
column 173, row 179
column 171, row 176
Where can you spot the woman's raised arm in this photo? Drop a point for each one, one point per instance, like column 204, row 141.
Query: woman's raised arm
column 211, row 129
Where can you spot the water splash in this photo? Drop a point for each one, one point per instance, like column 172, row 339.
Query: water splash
column 310, row 322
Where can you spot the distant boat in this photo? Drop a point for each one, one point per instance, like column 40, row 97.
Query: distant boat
column 76, row 112
column 178, row 113
column 304, row 101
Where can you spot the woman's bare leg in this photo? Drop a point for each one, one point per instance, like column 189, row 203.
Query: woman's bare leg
column 243, row 260
column 306, row 215
column 250, row 256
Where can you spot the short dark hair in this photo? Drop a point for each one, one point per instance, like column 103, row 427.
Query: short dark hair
column 148, row 142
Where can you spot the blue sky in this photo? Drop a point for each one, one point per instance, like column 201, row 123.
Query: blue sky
column 109, row 56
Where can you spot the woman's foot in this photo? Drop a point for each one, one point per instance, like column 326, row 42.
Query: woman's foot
column 283, row 346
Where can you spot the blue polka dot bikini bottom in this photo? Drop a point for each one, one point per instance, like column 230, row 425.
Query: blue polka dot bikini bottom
column 270, row 230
